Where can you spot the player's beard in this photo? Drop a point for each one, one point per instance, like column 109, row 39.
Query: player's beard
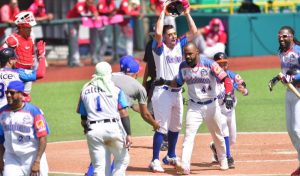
column 191, row 62
column 285, row 45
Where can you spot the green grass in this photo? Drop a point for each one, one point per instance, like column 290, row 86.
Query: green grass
column 260, row 111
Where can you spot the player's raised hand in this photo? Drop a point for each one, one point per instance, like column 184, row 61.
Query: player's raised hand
column 228, row 100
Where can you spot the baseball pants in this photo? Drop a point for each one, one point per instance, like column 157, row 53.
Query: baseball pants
column 74, row 56
column 21, row 166
column 229, row 122
column 168, row 109
column 103, row 139
column 95, row 35
column 195, row 116
column 292, row 106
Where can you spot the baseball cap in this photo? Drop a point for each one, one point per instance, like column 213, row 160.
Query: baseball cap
column 124, row 60
column 220, row 57
column 132, row 66
column 16, row 85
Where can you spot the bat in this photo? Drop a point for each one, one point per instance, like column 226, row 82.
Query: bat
column 290, row 86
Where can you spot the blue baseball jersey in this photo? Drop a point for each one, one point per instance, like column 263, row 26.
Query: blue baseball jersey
column 167, row 60
column 20, row 130
column 98, row 105
column 202, row 79
column 290, row 59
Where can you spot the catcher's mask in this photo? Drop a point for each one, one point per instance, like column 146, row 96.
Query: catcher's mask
column 220, row 57
column 176, row 7
column 25, row 19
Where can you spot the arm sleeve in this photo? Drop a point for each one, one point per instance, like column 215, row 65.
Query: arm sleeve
column 1, row 135
column 122, row 102
column 157, row 47
column 40, row 126
column 81, row 108
column 25, row 77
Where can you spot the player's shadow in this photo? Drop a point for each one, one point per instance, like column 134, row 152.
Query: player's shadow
column 206, row 166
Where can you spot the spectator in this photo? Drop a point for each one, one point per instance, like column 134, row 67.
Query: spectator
column 105, row 8
column 248, row 6
column 39, row 11
column 81, row 9
column 131, row 8
column 7, row 15
column 212, row 38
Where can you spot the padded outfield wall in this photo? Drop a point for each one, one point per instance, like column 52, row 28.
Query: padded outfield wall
column 248, row 34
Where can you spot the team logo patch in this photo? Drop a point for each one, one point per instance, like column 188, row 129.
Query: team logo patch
column 203, row 72
column 40, row 124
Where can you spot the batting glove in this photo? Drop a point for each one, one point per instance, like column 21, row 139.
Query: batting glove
column 273, row 82
column 228, row 100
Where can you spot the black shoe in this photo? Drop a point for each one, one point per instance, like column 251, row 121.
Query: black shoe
column 214, row 150
column 231, row 163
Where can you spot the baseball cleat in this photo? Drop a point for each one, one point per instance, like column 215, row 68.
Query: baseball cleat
column 214, row 150
column 182, row 170
column 296, row 172
column 156, row 167
column 231, row 163
column 170, row 161
column 224, row 164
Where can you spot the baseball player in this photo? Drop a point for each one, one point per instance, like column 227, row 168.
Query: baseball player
column 289, row 55
column 23, row 135
column 104, row 117
column 9, row 73
column 201, row 76
column 167, row 102
column 23, row 45
column 228, row 115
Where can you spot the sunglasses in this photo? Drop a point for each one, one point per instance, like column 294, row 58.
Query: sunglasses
column 12, row 93
column 171, row 34
column 284, row 36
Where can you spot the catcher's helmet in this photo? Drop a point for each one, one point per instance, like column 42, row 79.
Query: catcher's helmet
column 25, row 19
column 220, row 57
column 7, row 53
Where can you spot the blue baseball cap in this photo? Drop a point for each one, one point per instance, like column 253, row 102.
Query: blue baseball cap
column 132, row 67
column 16, row 85
column 124, row 62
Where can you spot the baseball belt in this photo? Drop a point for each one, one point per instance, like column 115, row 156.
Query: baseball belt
column 171, row 89
column 204, row 102
column 104, row 121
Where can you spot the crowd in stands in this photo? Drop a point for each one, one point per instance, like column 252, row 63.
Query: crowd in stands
column 97, row 16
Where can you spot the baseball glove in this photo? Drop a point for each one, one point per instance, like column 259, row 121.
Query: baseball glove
column 176, row 7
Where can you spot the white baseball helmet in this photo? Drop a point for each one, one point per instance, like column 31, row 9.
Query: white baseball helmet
column 25, row 18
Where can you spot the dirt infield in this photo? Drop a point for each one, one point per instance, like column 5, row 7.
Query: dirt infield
column 254, row 153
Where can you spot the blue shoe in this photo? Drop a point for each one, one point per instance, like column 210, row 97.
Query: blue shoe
column 170, row 161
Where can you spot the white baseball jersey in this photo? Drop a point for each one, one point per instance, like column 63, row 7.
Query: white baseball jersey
column 202, row 79
column 290, row 59
column 97, row 105
column 22, row 128
column 8, row 74
column 167, row 60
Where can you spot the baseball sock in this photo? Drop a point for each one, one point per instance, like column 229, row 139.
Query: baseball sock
column 172, row 141
column 157, row 141
column 227, row 144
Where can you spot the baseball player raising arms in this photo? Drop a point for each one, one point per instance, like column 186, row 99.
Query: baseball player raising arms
column 23, row 135
column 167, row 101
column 289, row 54
column 201, row 76
column 228, row 115
column 101, row 104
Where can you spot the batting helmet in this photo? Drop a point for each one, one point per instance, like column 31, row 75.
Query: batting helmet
column 5, row 55
column 220, row 57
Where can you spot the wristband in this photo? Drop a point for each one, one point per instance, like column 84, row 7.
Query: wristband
column 126, row 124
